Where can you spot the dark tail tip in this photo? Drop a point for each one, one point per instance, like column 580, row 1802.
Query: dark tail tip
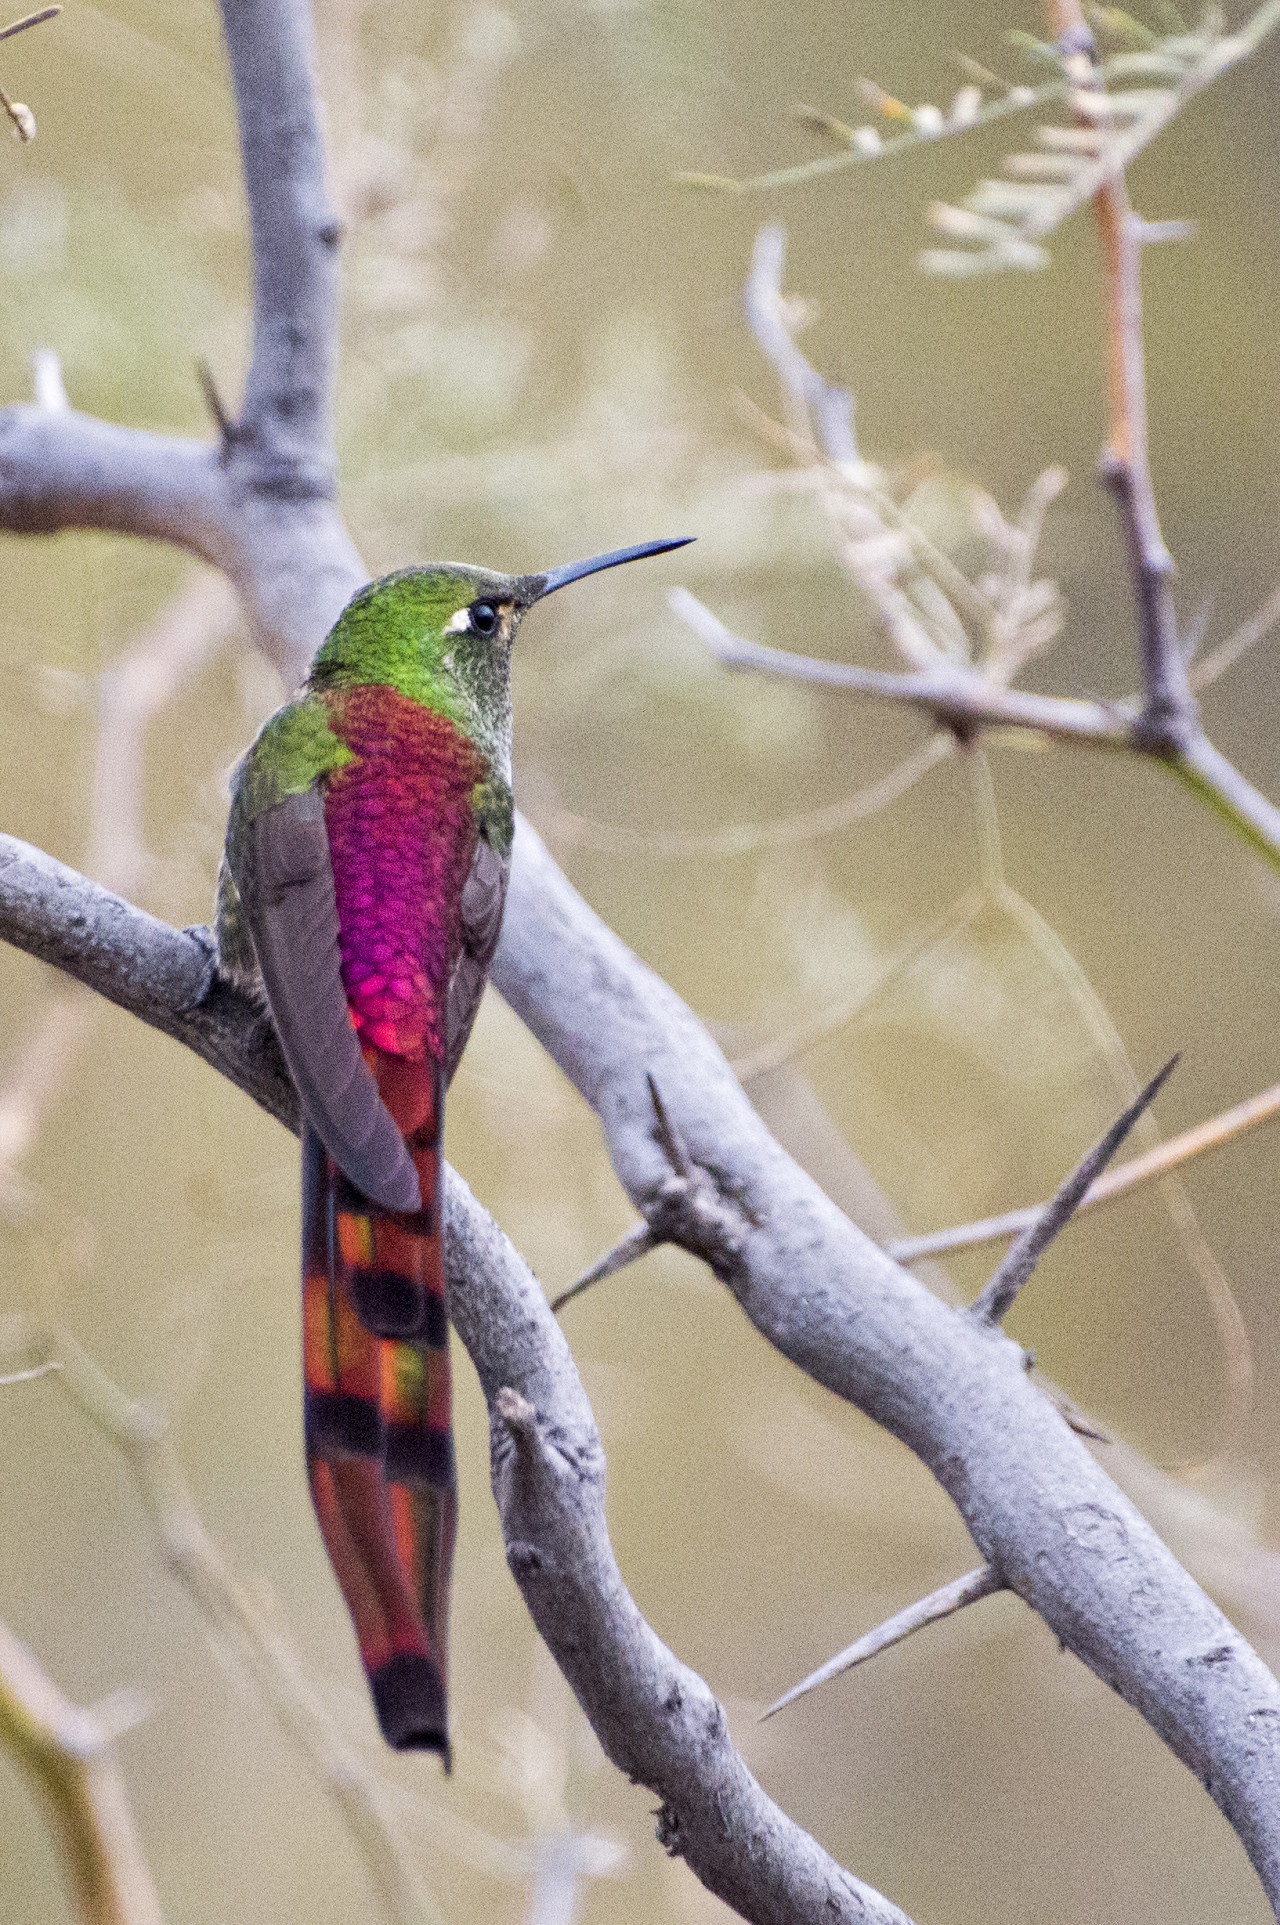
column 409, row 1698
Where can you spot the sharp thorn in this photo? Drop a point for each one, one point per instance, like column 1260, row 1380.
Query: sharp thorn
column 227, row 429
column 942, row 1603
column 637, row 1243
column 669, row 1134
column 1021, row 1258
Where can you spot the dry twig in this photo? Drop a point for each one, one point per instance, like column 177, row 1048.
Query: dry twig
column 968, row 698
column 69, row 1751
column 1104, row 1188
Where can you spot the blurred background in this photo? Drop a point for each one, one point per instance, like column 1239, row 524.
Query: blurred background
column 544, row 356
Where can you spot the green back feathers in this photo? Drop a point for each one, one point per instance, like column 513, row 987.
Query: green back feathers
column 294, row 748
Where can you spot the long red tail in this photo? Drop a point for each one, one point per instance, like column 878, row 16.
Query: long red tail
column 378, row 1420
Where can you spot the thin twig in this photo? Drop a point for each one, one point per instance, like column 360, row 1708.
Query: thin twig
column 29, row 1376
column 960, row 698
column 28, row 20
column 1168, row 718
column 69, row 1751
column 1017, row 1265
column 1216, row 663
column 966, row 701
column 1113, row 1183
column 943, row 1603
column 141, row 1435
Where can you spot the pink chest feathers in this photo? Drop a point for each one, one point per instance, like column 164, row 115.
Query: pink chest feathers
column 402, row 835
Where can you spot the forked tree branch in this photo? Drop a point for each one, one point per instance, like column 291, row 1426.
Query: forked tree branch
column 1041, row 1512
column 69, row 1751
column 657, row 1719
column 966, row 697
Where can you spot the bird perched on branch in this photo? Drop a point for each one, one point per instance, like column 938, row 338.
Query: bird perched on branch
column 362, row 891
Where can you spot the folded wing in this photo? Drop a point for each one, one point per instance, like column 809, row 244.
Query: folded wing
column 287, row 890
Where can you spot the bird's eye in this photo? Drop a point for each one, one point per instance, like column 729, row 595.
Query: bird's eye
column 484, row 618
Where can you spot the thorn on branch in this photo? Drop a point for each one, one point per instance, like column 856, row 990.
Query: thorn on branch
column 687, row 1208
column 637, row 1243
column 228, row 429
column 1167, row 1156
column 668, row 1133
column 1074, row 1418
column 28, row 20
column 943, row 1603
column 1020, row 1260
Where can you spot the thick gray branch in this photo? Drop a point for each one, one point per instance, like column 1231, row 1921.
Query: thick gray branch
column 1040, row 1510
column 1042, row 1513
column 59, row 469
column 657, row 1719
column 286, row 425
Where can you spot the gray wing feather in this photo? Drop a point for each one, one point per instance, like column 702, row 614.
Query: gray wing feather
column 292, row 911
column 483, row 895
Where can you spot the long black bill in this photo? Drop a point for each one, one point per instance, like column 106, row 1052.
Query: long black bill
column 540, row 585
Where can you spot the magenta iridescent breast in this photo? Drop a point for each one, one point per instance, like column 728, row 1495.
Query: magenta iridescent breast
column 402, row 835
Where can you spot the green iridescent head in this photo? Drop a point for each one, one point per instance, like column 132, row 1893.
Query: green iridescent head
column 442, row 634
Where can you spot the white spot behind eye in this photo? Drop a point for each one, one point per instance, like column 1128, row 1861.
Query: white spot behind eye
column 458, row 624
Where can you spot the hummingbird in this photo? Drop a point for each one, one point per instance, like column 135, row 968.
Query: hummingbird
column 360, row 897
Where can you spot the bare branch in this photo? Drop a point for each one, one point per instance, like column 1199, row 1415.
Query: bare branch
column 942, row 1603
column 1115, row 1182
column 810, row 1282
column 657, row 1720
column 999, row 1294
column 69, row 1752
column 1209, row 775
column 286, row 422
column 1168, row 721
column 60, row 469
column 960, row 698
column 807, row 388
column 29, row 20
column 822, row 1293
column 1216, row 663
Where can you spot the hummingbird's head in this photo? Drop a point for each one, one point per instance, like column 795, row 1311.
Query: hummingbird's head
column 442, row 634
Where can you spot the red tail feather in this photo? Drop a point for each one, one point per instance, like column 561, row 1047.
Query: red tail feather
column 379, row 1439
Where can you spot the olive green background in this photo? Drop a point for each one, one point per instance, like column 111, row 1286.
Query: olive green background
column 543, row 354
